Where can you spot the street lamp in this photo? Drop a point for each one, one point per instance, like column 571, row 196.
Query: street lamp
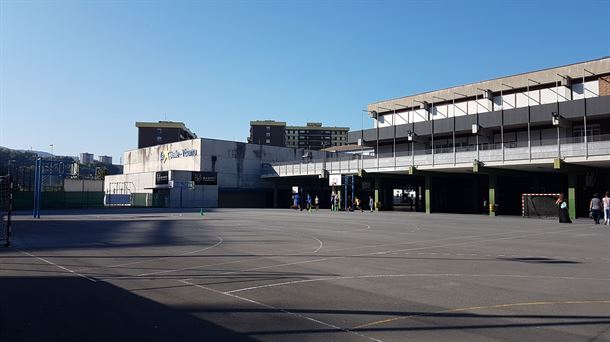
column 556, row 119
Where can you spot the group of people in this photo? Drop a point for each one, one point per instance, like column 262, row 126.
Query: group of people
column 597, row 208
column 335, row 203
column 309, row 206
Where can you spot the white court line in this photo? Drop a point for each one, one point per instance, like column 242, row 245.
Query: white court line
column 58, row 266
column 386, row 252
column 409, row 275
column 187, row 282
column 220, row 241
column 363, row 254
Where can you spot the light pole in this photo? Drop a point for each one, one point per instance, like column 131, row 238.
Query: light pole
column 556, row 119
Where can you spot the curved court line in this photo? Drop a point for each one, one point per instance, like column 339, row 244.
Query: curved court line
column 409, row 275
column 320, row 243
column 537, row 232
column 220, row 241
column 472, row 308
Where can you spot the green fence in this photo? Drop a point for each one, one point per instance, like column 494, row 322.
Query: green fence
column 24, row 200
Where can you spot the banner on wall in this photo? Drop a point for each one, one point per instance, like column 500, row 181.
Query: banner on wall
column 205, row 178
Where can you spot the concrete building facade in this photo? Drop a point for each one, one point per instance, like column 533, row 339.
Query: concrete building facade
column 312, row 136
column 205, row 173
column 162, row 132
column 268, row 132
column 105, row 159
column 487, row 142
column 85, row 158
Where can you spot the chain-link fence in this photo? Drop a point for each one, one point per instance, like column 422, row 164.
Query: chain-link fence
column 6, row 207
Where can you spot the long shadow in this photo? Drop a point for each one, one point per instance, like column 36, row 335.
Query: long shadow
column 435, row 327
column 540, row 260
column 414, row 314
column 100, row 234
column 75, row 309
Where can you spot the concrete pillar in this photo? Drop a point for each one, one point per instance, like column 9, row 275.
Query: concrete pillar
column 493, row 181
column 377, row 186
column 572, row 176
column 428, row 194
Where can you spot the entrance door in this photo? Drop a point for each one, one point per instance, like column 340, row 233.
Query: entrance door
column 160, row 198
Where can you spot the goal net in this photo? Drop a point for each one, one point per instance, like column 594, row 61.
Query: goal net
column 539, row 205
column 6, row 207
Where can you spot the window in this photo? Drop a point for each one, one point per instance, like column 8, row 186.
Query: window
column 593, row 132
column 159, row 130
column 268, row 128
column 268, row 134
column 159, row 139
column 267, row 141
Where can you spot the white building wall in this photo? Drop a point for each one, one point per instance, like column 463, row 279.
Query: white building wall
column 150, row 159
column 591, row 90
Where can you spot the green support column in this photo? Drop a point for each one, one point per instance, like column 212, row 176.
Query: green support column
column 377, row 185
column 492, row 194
column 572, row 194
column 428, row 193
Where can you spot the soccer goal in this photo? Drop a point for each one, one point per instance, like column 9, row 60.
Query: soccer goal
column 539, row 205
column 6, row 208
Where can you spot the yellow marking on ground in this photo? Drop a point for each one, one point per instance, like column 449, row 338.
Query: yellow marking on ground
column 472, row 308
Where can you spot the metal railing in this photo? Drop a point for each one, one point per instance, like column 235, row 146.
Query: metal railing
column 351, row 163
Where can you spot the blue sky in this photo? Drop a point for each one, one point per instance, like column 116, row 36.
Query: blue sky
column 78, row 75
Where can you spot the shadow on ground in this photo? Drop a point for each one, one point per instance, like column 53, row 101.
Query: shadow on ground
column 76, row 309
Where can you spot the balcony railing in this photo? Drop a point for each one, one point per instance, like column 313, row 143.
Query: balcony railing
column 598, row 145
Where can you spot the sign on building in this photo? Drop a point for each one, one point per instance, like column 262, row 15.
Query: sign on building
column 161, row 178
column 204, row 178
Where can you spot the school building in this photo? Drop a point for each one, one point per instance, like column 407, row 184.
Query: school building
column 476, row 148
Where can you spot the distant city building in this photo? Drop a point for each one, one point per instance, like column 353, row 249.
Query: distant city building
column 85, row 158
column 313, row 136
column 105, row 159
column 268, row 132
column 162, row 132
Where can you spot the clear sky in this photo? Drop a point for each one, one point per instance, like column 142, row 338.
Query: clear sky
column 79, row 74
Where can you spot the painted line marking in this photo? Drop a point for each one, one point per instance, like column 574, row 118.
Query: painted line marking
column 220, row 241
column 57, row 265
column 187, row 282
column 415, row 275
column 473, row 308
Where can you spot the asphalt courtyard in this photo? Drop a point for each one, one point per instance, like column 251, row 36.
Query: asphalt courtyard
column 283, row 275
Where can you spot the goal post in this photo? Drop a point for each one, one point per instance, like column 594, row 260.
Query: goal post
column 541, row 205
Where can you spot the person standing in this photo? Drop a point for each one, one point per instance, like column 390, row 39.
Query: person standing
column 297, row 201
column 337, row 202
column 332, row 201
column 595, row 206
column 316, row 202
column 606, row 202
column 371, row 203
column 308, row 203
column 563, row 209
